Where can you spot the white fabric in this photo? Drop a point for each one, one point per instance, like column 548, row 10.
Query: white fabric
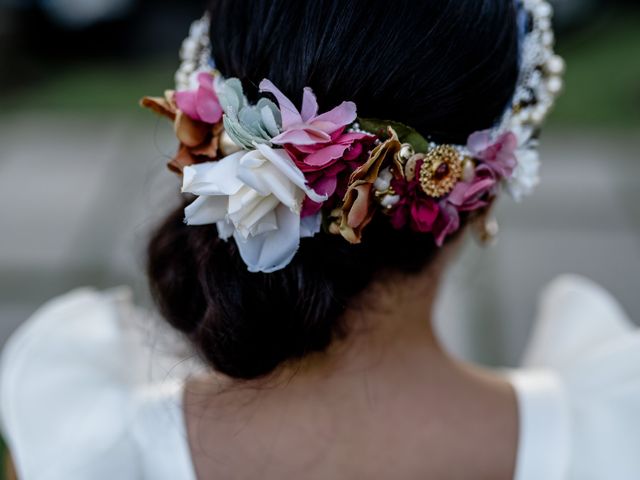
column 78, row 397
column 84, row 395
column 579, row 390
column 544, row 422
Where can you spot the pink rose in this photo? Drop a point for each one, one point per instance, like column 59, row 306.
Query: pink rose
column 201, row 104
column 499, row 155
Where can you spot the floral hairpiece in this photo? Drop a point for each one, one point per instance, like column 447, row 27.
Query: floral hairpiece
column 269, row 174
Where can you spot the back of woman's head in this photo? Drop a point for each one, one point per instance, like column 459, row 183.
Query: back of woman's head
column 445, row 67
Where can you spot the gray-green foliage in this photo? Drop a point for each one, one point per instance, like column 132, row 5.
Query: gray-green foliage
column 246, row 123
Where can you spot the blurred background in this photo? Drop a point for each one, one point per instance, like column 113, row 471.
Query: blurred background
column 82, row 176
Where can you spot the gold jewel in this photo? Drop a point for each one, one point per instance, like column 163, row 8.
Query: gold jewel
column 441, row 170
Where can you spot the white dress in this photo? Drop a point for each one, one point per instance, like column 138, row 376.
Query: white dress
column 85, row 396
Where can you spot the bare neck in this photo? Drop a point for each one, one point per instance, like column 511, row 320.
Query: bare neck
column 388, row 323
column 389, row 375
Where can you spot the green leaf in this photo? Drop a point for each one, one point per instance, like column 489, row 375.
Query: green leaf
column 405, row 134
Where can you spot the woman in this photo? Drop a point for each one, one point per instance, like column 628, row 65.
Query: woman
column 332, row 164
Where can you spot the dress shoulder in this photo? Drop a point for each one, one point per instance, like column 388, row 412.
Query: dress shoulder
column 76, row 400
column 579, row 387
column 575, row 317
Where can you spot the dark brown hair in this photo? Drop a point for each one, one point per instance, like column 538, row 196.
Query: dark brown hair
column 445, row 67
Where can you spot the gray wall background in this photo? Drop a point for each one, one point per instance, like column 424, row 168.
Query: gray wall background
column 78, row 196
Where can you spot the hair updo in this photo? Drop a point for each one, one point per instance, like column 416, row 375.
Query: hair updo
column 445, row 67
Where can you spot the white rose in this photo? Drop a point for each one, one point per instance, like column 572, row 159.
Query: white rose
column 256, row 197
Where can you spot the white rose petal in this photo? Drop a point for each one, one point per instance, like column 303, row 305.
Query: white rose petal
column 310, row 225
column 250, row 212
column 225, row 229
column 213, row 178
column 274, row 250
column 256, row 197
column 206, row 210
column 265, row 178
column 280, row 159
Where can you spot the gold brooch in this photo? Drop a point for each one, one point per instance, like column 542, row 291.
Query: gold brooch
column 440, row 171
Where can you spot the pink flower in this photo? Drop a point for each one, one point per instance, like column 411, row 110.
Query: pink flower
column 199, row 141
column 498, row 161
column 414, row 208
column 339, row 159
column 499, row 155
column 201, row 104
column 465, row 197
column 345, row 146
column 318, row 144
column 424, row 212
column 325, row 182
column 306, row 127
column 473, row 195
column 447, row 223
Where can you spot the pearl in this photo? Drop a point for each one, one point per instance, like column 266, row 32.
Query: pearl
column 544, row 23
column 227, row 146
column 182, row 77
column 468, row 170
column 555, row 85
column 524, row 116
column 492, row 229
column 537, row 117
column 381, row 184
column 389, row 200
column 556, row 65
column 406, row 152
column 544, row 10
column 548, row 39
column 410, row 167
column 189, row 66
column 189, row 48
